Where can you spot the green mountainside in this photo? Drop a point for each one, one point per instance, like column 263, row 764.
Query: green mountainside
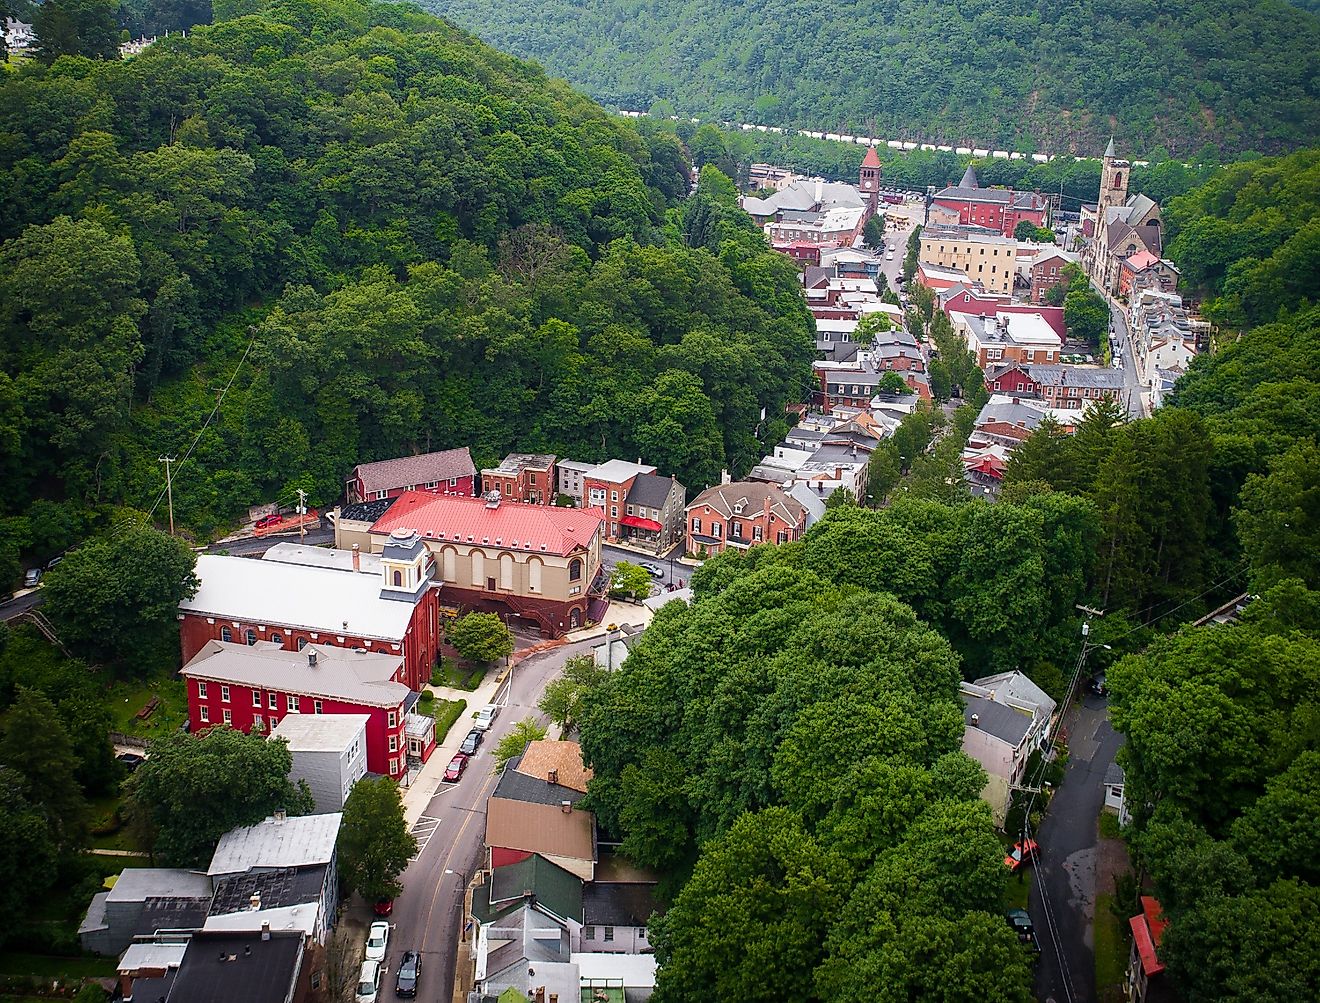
column 1020, row 74
column 376, row 236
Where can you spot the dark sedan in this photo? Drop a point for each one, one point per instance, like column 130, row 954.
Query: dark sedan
column 410, row 970
column 472, row 742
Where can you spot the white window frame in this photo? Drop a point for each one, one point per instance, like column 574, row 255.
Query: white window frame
column 201, row 689
column 204, row 714
column 317, row 707
column 224, row 693
column 291, row 703
column 256, row 699
column 229, row 717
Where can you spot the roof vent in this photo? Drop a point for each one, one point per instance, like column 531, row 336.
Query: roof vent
column 566, row 807
column 552, row 776
column 311, row 659
column 279, row 815
column 254, row 903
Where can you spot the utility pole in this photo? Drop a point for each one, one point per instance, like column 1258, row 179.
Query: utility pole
column 169, row 488
column 302, row 512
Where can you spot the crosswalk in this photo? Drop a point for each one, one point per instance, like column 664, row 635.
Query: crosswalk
column 423, row 829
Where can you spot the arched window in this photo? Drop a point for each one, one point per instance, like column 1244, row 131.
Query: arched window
column 302, row 643
column 226, row 634
column 278, row 639
column 251, row 637
column 1118, row 180
column 398, row 578
column 574, row 618
column 575, row 570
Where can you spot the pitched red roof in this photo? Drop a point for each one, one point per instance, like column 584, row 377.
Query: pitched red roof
column 870, row 160
column 1147, row 932
column 510, row 525
column 410, row 471
column 1142, row 259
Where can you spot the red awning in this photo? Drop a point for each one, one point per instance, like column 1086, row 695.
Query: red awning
column 638, row 523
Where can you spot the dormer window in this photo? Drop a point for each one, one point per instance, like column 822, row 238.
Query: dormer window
column 737, row 508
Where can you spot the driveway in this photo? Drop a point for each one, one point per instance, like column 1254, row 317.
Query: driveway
column 1063, row 896
column 451, row 833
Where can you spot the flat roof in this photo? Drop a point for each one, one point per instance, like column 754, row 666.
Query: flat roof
column 322, row 557
column 618, row 471
column 138, row 956
column 320, row 732
column 136, row 884
column 295, row 595
column 292, row 842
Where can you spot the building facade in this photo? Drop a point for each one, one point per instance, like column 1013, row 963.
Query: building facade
column 329, row 752
column 984, row 255
column 449, row 471
column 1008, row 337
column 522, row 477
column 741, row 514
column 1000, row 209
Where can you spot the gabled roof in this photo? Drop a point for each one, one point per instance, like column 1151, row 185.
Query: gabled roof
column 751, row 496
column 290, row 842
column 511, row 525
column 871, row 159
column 1142, row 259
column 997, row 719
column 650, row 490
column 1017, row 686
column 517, row 786
column 223, row 967
column 518, row 825
column 560, row 759
column 618, row 904
column 274, row 888
column 552, row 888
column 356, row 677
column 1147, row 933
column 410, row 471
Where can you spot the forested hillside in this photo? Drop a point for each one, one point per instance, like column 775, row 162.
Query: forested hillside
column 1016, row 73
column 352, row 231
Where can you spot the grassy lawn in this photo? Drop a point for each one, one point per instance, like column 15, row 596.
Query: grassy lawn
column 1111, row 950
column 446, row 713
column 1019, row 891
column 1109, row 828
column 126, row 698
column 457, row 675
column 50, row 967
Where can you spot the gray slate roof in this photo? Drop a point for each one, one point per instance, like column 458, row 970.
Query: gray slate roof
column 284, row 886
column 1103, row 377
column 650, row 490
column 995, row 719
column 617, row 904
column 515, row 786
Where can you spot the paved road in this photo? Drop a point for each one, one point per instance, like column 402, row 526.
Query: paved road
column 1063, row 896
column 673, row 571
column 1132, row 385
column 452, row 830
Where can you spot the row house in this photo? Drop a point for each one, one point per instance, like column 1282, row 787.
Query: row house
column 1008, row 337
column 1000, row 209
column 385, row 606
column 522, row 477
column 984, row 255
column 973, row 300
column 538, row 562
column 1045, row 272
column 742, row 514
column 449, row 471
column 252, row 688
column 640, row 506
column 1058, row 386
column 1146, row 270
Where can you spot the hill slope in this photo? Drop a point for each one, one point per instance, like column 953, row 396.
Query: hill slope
column 1022, row 74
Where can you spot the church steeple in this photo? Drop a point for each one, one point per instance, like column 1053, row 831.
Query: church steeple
column 868, row 180
column 1109, row 150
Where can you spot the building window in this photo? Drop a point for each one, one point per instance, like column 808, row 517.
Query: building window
column 696, row 528
column 316, row 706
column 609, row 934
column 398, row 579
column 614, row 511
column 394, row 766
column 756, row 534
column 226, row 634
column 630, row 510
column 394, row 719
column 274, row 702
column 229, row 718
column 394, row 743
column 379, row 495
column 588, row 933
column 575, row 570
column 205, row 714
column 291, row 702
column 716, row 528
column 201, row 689
column 278, row 639
column 302, row 643
column 251, row 637
column 256, row 698
column 783, row 537
column 453, row 482
column 614, row 496
column 224, row 693
column 258, row 723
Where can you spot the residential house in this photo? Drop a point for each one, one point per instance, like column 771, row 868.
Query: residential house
column 571, row 473
column 522, row 477
column 939, row 278
column 613, row 651
column 983, row 255
column 741, row 514
column 972, row 300
column 1146, row 270
column 1162, row 333
column 837, row 227
column 767, row 176
column 254, row 687
column 261, row 966
column 449, row 471
column 1144, row 965
column 1046, row 271
column 1008, row 337
column 527, row 951
column 533, row 810
column 1006, row 718
column 606, row 485
column 392, row 609
column 537, row 562
column 1006, row 420
column 142, row 901
column 1000, row 209
column 1077, row 387
column 147, row 970
column 1116, row 793
column 653, row 513
column 329, row 753
column 804, row 252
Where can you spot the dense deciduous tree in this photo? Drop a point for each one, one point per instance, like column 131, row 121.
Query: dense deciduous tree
column 374, row 842
column 481, row 637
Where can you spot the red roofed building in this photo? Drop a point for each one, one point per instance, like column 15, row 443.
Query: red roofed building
column 1146, row 270
column 1001, row 209
column 449, row 472
column 965, row 300
column 538, row 562
column 1143, row 961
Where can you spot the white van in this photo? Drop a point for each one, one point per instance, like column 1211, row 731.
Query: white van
column 486, row 717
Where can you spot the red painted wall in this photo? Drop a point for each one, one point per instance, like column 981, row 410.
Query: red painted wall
column 462, row 486
column 500, row 857
column 243, row 712
column 1013, row 381
column 991, row 214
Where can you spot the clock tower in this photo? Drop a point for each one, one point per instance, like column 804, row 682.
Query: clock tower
column 868, row 180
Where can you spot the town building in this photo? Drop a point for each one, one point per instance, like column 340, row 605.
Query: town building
column 329, row 753
column 537, row 562
column 939, row 279
column 1008, row 337
column 1146, row 270
column 387, row 607
column 1058, row 386
column 1006, row 718
column 142, row 901
column 1118, row 226
column 999, row 209
column 761, row 177
column 972, row 300
column 742, row 514
column 1047, row 270
column 1116, row 793
column 641, row 507
column 1144, row 971
column 837, row 227
column 983, row 254
column 258, row 966
column 571, row 473
column 522, row 477
column 254, row 687
column 534, row 811
column 1163, row 335
column 449, row 471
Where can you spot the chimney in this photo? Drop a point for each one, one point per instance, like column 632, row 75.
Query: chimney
column 280, row 816
column 552, row 777
column 357, row 557
column 254, row 903
column 724, row 476
column 566, row 807
column 976, row 720
column 265, row 931
column 311, row 659
column 838, row 473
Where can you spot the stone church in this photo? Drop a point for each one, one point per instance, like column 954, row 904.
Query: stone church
column 1119, row 226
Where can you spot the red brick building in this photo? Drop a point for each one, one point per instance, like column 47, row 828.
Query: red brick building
column 522, row 477
column 742, row 514
column 1046, row 273
column 1001, row 209
column 393, row 608
column 964, row 300
column 448, row 472
column 253, row 687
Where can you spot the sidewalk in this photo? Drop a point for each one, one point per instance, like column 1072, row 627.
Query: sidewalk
column 617, row 614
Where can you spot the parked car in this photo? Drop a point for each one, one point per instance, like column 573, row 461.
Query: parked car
column 54, row 561
column 368, row 987
column 485, row 717
column 31, row 578
column 1021, row 923
column 1097, row 685
column 655, row 569
column 1023, row 852
column 472, row 742
column 410, row 970
column 454, row 771
column 266, row 521
column 131, row 760
column 383, row 907
column 378, row 940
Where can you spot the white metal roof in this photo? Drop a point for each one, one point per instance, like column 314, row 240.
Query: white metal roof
column 293, row 595
column 636, row 971
column 617, row 471
column 320, row 732
column 300, row 918
column 136, row 884
column 322, row 557
column 291, row 842
column 139, row 956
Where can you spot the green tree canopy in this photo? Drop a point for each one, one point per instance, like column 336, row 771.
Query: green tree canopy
column 374, row 842
column 481, row 637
